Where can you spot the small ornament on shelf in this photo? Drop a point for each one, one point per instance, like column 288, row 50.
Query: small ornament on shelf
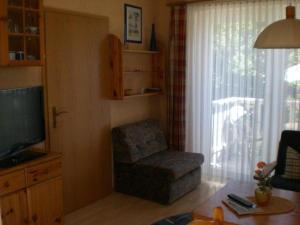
column 153, row 42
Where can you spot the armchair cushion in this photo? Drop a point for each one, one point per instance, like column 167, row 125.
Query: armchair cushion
column 136, row 141
column 288, row 138
column 292, row 165
column 171, row 165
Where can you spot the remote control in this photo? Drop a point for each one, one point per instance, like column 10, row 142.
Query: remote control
column 241, row 201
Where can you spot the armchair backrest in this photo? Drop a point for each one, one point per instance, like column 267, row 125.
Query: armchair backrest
column 288, row 138
column 136, row 141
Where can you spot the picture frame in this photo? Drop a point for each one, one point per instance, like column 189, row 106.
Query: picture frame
column 133, row 26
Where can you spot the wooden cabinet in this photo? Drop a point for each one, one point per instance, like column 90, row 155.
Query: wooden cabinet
column 135, row 73
column 14, row 210
column 46, row 203
column 21, row 33
column 31, row 194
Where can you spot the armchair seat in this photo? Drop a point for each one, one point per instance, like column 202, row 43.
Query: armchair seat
column 171, row 164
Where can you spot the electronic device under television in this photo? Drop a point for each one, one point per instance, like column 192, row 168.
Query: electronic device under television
column 21, row 125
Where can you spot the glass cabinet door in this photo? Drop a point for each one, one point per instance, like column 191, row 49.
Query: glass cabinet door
column 23, row 21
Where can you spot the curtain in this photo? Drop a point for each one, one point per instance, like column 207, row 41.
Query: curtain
column 238, row 99
column 176, row 79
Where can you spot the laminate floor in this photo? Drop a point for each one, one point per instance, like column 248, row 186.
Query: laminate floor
column 120, row 209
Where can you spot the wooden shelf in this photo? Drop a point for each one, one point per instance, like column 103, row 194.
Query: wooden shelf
column 142, row 95
column 25, row 62
column 12, row 7
column 23, row 34
column 141, row 71
column 140, row 51
column 134, row 72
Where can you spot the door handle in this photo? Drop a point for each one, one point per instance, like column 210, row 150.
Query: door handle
column 55, row 114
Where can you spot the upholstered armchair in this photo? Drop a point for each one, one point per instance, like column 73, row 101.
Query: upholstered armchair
column 145, row 167
column 289, row 139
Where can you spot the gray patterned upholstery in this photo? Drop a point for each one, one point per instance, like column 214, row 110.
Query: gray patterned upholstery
column 171, row 163
column 145, row 168
column 137, row 141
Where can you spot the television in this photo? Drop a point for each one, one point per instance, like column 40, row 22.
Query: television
column 21, row 120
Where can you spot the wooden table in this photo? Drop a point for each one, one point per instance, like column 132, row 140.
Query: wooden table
column 247, row 189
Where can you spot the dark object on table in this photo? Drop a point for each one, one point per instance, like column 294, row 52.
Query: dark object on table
column 182, row 219
column 241, row 201
column 145, row 167
column 20, row 158
column 292, row 139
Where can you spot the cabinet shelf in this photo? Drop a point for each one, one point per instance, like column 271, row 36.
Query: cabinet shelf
column 140, row 51
column 24, row 34
column 24, row 63
column 12, row 7
column 142, row 95
column 140, row 71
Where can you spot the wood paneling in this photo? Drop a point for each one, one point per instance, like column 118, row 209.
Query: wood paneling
column 154, row 11
column 19, row 77
column 45, row 203
column 14, row 209
column 77, row 66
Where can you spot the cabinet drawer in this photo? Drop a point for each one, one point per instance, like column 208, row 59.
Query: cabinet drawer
column 43, row 172
column 12, row 182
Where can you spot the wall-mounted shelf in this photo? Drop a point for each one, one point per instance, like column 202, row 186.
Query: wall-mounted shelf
column 140, row 51
column 127, row 66
column 142, row 95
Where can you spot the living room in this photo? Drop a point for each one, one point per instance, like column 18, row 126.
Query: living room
column 147, row 112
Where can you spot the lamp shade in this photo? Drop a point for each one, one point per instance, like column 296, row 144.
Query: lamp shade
column 281, row 34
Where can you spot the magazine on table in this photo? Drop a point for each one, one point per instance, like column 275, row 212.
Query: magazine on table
column 239, row 209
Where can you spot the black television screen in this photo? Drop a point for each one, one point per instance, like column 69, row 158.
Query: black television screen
column 21, row 119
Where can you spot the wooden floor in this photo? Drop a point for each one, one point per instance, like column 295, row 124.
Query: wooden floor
column 119, row 209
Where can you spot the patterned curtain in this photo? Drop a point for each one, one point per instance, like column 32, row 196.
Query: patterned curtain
column 176, row 79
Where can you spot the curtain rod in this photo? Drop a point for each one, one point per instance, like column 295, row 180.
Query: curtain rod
column 185, row 2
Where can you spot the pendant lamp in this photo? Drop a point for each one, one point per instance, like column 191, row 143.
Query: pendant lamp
column 281, row 34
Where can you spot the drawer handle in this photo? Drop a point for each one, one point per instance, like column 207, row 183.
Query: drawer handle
column 40, row 172
column 6, row 184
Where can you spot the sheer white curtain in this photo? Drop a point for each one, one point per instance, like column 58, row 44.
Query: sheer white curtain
column 238, row 99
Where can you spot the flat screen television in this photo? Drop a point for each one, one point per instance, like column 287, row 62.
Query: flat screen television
column 21, row 120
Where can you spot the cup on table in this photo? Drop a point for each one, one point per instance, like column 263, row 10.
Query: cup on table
column 20, row 55
column 12, row 55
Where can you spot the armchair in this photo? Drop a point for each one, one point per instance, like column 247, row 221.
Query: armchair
column 145, row 167
column 288, row 139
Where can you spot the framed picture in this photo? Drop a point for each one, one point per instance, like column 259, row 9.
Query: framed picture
column 133, row 24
